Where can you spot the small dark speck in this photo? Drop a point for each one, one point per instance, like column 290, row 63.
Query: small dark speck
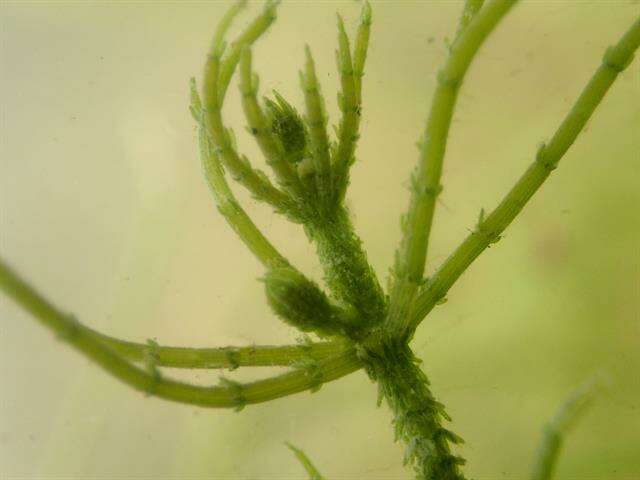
column 101, row 58
column 430, row 40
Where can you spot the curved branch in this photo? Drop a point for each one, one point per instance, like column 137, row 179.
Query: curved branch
column 309, row 376
column 226, row 201
column 216, row 80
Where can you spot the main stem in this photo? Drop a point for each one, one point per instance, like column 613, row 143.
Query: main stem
column 417, row 416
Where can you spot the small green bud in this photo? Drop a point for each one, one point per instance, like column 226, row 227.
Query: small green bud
column 301, row 303
column 287, row 125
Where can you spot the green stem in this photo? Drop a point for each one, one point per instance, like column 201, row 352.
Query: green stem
column 471, row 8
column 221, row 357
column 232, row 395
column 417, row 416
column 616, row 59
column 426, row 186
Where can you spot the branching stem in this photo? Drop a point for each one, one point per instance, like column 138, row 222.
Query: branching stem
column 616, row 59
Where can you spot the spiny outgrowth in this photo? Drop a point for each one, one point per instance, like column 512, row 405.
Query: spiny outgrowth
column 301, row 303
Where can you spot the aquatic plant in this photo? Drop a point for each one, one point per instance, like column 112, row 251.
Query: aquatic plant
column 362, row 325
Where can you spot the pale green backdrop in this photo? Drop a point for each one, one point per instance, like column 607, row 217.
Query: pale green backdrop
column 103, row 207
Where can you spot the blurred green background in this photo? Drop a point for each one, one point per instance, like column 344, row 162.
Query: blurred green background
column 104, row 209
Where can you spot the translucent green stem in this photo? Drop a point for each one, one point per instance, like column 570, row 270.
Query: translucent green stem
column 555, row 431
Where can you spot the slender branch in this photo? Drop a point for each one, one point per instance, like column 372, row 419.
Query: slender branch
column 309, row 376
column 302, row 457
column 351, row 71
column 410, row 260
column 317, row 124
column 216, row 78
column 261, row 129
column 221, row 357
column 489, row 229
column 552, row 438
